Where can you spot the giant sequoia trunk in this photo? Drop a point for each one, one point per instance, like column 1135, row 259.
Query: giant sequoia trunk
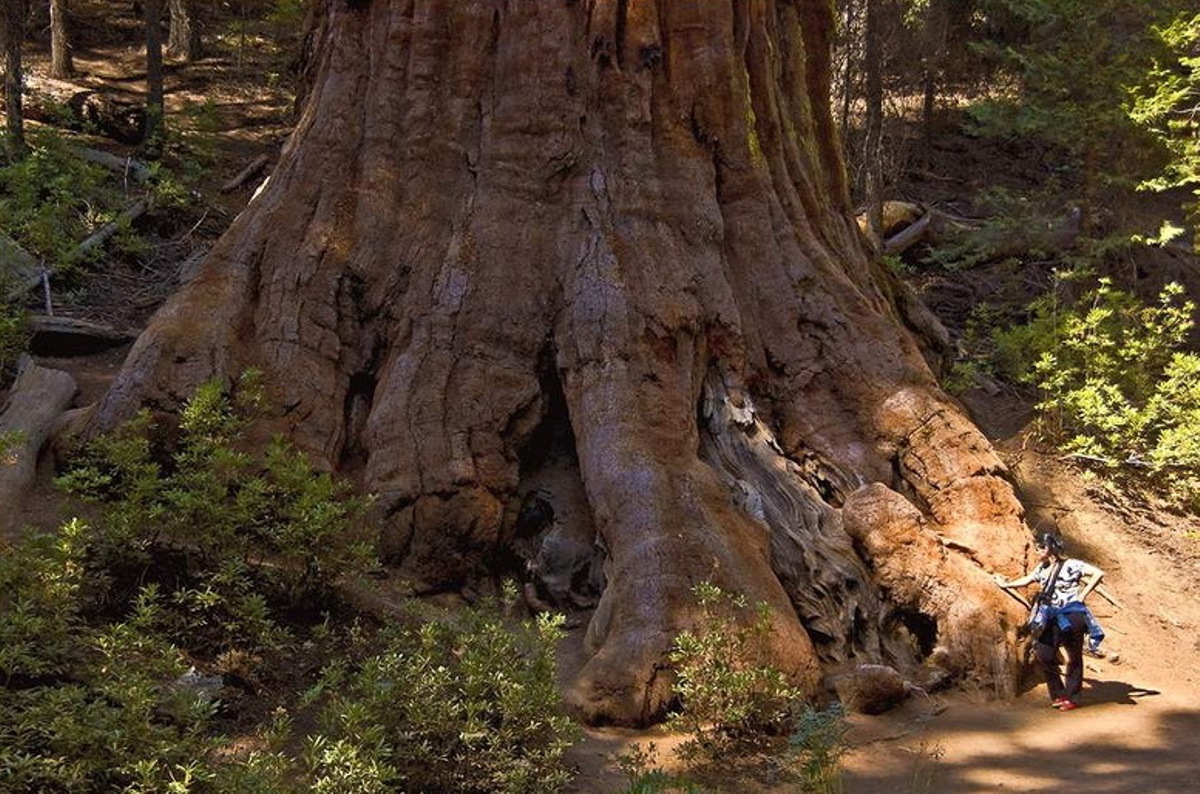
column 577, row 280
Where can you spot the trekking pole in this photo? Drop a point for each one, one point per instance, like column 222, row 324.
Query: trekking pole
column 1108, row 597
column 1018, row 598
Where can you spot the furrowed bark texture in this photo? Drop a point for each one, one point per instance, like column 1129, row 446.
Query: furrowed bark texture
column 518, row 251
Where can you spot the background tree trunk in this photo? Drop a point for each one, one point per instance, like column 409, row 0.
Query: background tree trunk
column 183, row 40
column 12, row 16
column 873, row 64
column 155, row 107
column 62, row 65
column 936, row 30
column 597, row 257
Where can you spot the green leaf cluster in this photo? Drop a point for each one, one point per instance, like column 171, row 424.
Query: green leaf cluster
column 208, row 554
column 14, row 336
column 91, row 706
column 1167, row 100
column 252, row 536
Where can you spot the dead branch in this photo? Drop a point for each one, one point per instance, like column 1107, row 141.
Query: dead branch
column 908, row 236
column 1018, row 597
column 246, row 174
column 1108, row 596
column 102, row 235
column 66, row 104
column 68, row 336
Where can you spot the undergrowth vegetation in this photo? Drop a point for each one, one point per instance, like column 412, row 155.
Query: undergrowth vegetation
column 52, row 199
column 742, row 718
column 14, row 336
column 158, row 646
column 464, row 703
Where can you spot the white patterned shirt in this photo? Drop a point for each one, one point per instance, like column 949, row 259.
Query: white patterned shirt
column 1067, row 585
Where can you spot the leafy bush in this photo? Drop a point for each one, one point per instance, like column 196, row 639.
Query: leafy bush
column 214, row 556
column 92, row 707
column 52, row 199
column 1117, row 384
column 204, row 553
column 237, row 540
column 1014, row 222
column 1164, row 103
column 461, row 704
column 640, row 765
column 730, row 704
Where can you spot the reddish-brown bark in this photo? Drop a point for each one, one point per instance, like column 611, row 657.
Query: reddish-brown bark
column 596, row 255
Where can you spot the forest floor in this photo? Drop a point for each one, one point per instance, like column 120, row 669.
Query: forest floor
column 1139, row 729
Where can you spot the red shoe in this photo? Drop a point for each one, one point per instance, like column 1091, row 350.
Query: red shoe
column 1057, row 703
column 1067, row 705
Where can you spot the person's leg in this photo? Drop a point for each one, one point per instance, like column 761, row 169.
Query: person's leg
column 1045, row 651
column 1095, row 632
column 1071, row 640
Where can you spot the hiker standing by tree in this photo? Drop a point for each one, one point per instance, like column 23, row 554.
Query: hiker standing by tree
column 1065, row 583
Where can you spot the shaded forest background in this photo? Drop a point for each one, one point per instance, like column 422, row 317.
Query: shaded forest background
column 1021, row 164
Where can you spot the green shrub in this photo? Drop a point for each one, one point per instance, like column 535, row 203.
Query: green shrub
column 640, row 765
column 239, row 540
column 461, row 704
column 210, row 552
column 52, row 199
column 817, row 744
column 1117, row 385
column 730, row 704
column 9, row 441
column 90, row 707
column 197, row 554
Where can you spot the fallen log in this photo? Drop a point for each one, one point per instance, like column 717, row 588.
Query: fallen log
column 19, row 271
column 121, row 165
column 908, row 236
column 63, row 337
column 38, row 398
column 82, row 108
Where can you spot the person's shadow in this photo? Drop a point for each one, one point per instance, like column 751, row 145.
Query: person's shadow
column 1117, row 692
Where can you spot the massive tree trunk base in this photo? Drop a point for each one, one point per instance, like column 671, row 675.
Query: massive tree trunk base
column 574, row 289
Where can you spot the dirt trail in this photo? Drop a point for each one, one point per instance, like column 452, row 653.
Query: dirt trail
column 1139, row 730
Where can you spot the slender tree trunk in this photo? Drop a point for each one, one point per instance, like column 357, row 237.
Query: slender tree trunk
column 599, row 256
column 873, row 139
column 849, row 73
column 184, row 40
column 62, row 65
column 936, row 31
column 155, row 107
column 14, row 80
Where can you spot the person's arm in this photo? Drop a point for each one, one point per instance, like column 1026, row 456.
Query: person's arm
column 1093, row 575
column 1028, row 578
